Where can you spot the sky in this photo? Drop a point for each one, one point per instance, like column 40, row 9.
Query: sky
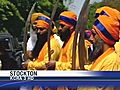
column 76, row 5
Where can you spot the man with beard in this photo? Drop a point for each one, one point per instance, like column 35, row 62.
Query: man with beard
column 106, row 43
column 33, row 41
column 41, row 26
column 107, row 29
column 34, row 44
column 98, row 47
column 66, row 31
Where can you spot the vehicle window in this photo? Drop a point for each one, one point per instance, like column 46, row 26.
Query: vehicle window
column 5, row 43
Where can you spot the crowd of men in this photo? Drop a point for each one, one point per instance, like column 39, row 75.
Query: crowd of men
column 101, row 42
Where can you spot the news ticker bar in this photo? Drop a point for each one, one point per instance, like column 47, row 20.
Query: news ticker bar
column 39, row 73
column 60, row 83
column 59, row 75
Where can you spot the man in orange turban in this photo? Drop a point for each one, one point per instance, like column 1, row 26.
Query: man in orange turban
column 34, row 43
column 106, row 36
column 66, row 31
column 33, row 40
column 107, row 28
column 41, row 26
column 106, row 31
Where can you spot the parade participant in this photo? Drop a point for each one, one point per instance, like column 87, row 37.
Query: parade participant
column 41, row 26
column 103, row 11
column 33, row 41
column 66, row 31
column 107, row 35
column 107, row 28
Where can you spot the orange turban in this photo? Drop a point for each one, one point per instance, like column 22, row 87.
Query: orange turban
column 41, row 24
column 68, row 18
column 108, row 28
column 42, row 21
column 35, row 16
column 108, row 11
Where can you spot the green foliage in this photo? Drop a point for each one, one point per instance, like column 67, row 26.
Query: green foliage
column 93, row 8
column 23, row 6
column 10, row 18
column 91, row 16
column 13, row 13
column 43, row 6
column 112, row 3
column 46, row 6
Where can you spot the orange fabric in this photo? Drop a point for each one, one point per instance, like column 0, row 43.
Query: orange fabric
column 109, row 11
column 70, row 15
column 43, row 51
column 110, row 22
column 42, row 24
column 35, row 16
column 63, row 55
column 109, row 51
column 111, row 25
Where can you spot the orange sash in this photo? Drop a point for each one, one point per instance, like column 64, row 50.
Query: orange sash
column 63, row 55
column 44, row 51
column 99, row 59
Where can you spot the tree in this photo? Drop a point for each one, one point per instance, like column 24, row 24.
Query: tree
column 43, row 6
column 112, row 3
column 13, row 13
column 23, row 6
column 10, row 18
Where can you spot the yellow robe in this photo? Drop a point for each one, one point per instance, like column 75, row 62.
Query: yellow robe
column 108, row 61
column 39, row 64
column 65, row 58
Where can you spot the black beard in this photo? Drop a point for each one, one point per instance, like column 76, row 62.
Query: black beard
column 41, row 40
column 42, row 37
column 97, row 51
column 64, row 35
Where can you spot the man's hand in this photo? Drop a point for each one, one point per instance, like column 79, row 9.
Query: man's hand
column 50, row 65
column 25, row 64
column 29, row 55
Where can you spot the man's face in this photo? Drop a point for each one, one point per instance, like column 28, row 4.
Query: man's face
column 98, row 46
column 94, row 37
column 39, row 30
column 64, row 32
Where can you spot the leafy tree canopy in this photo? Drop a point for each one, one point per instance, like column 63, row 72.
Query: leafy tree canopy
column 13, row 13
column 112, row 3
column 10, row 18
